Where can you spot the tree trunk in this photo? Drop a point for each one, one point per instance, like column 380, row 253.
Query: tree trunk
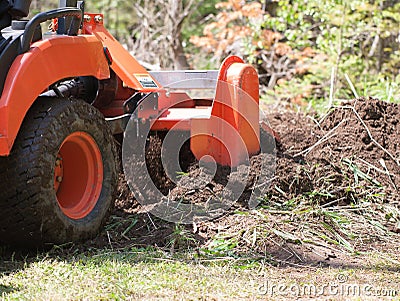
column 271, row 7
column 389, row 42
column 175, row 23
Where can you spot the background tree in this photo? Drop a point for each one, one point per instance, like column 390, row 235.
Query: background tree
column 157, row 38
column 296, row 45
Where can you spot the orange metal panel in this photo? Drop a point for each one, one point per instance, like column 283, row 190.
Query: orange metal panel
column 232, row 133
column 133, row 74
column 246, row 106
column 48, row 61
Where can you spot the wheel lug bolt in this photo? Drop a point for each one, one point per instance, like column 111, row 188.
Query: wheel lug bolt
column 59, row 179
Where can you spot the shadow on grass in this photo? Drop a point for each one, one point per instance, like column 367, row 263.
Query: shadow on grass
column 14, row 259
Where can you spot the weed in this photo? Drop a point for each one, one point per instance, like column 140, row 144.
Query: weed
column 180, row 239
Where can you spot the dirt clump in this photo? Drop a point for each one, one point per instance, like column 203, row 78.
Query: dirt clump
column 349, row 154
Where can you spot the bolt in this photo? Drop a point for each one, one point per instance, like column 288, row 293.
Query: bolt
column 58, row 162
column 98, row 19
column 59, row 179
column 87, row 18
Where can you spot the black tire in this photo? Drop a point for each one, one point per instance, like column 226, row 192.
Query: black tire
column 30, row 212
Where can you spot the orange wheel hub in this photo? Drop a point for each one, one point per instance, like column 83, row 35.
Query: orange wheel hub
column 78, row 175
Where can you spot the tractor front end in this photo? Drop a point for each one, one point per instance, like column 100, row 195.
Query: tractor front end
column 67, row 93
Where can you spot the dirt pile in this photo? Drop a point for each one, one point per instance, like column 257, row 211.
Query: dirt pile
column 345, row 157
column 351, row 153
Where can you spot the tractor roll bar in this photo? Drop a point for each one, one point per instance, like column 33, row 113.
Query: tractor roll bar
column 30, row 28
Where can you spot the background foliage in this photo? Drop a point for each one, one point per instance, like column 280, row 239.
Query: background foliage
column 305, row 51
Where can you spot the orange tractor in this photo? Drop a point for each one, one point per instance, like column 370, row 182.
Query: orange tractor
column 66, row 93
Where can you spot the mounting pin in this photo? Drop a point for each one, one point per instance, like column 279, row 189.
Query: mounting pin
column 98, row 19
column 87, row 18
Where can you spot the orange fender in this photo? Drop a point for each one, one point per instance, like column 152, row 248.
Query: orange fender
column 47, row 62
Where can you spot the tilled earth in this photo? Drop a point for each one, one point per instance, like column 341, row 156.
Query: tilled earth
column 329, row 180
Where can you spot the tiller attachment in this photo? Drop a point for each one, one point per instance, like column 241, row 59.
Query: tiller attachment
column 225, row 128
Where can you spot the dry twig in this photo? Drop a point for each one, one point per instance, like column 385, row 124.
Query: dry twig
column 325, row 138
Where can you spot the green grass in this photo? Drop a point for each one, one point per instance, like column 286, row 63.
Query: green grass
column 151, row 274
column 131, row 274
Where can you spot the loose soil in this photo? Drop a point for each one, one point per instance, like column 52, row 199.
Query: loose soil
column 325, row 165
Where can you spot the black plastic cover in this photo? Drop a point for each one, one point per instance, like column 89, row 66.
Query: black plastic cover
column 7, row 57
column 5, row 17
column 20, row 8
column 10, row 44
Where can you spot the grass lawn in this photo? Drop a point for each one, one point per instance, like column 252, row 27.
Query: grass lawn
column 153, row 274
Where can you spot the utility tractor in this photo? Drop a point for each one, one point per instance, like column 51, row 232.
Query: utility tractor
column 64, row 96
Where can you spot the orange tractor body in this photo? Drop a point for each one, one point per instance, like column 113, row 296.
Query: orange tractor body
column 34, row 71
column 86, row 62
